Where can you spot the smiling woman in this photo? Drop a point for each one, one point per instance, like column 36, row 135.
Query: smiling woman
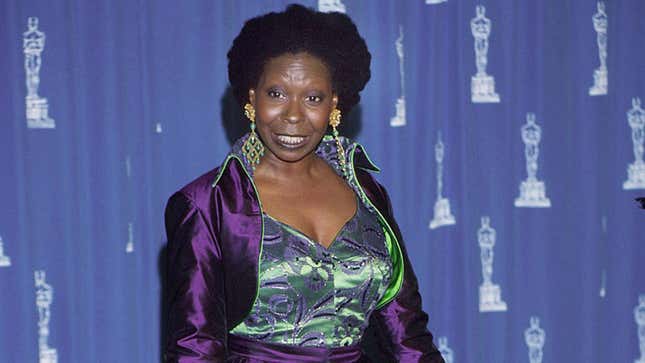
column 289, row 250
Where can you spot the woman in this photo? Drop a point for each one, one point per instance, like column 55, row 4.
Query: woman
column 289, row 251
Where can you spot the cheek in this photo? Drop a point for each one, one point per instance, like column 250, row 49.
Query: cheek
column 319, row 117
column 268, row 113
column 319, row 120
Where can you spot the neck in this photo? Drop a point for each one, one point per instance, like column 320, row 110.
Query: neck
column 273, row 168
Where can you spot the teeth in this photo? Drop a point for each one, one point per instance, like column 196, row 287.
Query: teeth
column 291, row 140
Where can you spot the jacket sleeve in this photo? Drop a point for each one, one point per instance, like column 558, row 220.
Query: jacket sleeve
column 402, row 321
column 196, row 325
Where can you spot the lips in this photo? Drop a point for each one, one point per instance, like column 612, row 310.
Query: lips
column 290, row 141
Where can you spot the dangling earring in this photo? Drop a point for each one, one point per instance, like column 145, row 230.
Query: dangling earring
column 334, row 122
column 252, row 147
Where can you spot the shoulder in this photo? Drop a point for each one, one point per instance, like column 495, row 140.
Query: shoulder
column 196, row 193
column 200, row 186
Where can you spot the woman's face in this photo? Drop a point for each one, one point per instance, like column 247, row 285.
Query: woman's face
column 293, row 100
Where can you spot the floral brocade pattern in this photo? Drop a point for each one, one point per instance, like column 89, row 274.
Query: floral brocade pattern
column 313, row 296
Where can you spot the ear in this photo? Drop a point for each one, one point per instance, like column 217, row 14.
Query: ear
column 334, row 101
column 252, row 97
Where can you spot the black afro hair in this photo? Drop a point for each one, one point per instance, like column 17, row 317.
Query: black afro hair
column 332, row 37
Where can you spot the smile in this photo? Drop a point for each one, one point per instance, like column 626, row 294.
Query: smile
column 290, row 140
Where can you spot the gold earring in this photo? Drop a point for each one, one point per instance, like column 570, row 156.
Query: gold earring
column 249, row 112
column 334, row 122
column 253, row 149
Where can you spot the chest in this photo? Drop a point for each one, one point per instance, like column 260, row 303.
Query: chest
column 317, row 210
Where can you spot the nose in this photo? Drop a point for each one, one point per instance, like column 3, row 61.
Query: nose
column 293, row 113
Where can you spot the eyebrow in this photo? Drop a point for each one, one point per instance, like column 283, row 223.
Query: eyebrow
column 308, row 79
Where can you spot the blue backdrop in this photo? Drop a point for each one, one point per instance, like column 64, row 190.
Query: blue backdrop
column 137, row 102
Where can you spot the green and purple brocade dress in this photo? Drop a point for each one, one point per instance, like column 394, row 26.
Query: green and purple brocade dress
column 312, row 296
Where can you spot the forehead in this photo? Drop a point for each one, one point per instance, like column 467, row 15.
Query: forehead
column 298, row 67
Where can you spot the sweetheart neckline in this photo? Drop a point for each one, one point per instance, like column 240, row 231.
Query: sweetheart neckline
column 312, row 240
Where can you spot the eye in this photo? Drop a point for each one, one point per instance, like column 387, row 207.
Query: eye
column 314, row 99
column 275, row 93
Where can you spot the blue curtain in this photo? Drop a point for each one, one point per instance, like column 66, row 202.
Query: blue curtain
column 110, row 106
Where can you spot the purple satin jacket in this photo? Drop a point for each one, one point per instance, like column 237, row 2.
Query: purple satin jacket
column 214, row 230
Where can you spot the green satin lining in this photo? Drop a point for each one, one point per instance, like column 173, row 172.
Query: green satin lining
column 396, row 281
column 392, row 243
